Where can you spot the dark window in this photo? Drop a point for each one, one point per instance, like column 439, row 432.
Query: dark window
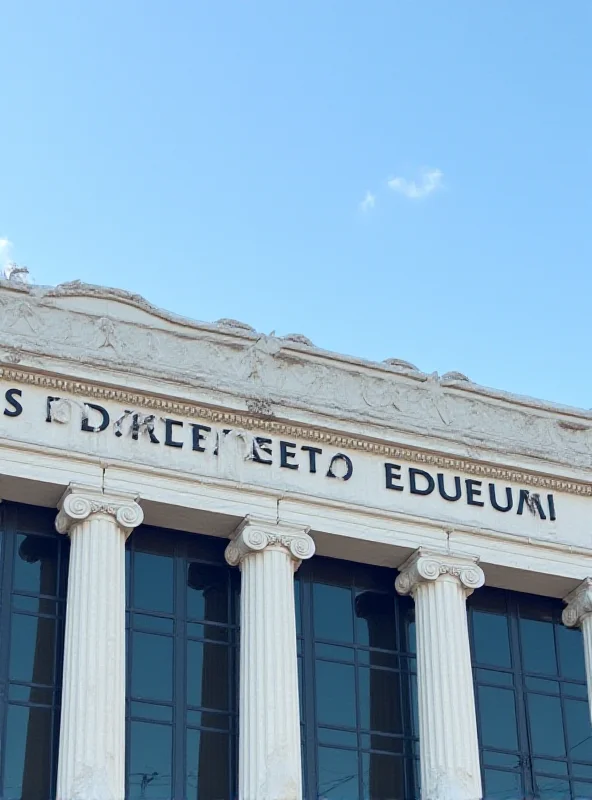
column 33, row 575
column 532, row 707
column 182, row 603
column 357, row 667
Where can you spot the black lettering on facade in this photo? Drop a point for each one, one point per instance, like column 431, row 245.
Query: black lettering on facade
column 50, row 400
column 349, row 467
column 148, row 422
column 10, row 398
column 197, row 434
column 493, row 498
column 393, row 473
column 473, row 490
column 168, row 432
column 532, row 502
column 457, row 488
column 313, row 452
column 262, row 445
column 104, row 424
column 286, row 454
column 414, row 474
column 551, row 501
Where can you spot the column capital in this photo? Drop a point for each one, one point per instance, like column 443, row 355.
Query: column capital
column 80, row 502
column 255, row 534
column 430, row 565
column 579, row 604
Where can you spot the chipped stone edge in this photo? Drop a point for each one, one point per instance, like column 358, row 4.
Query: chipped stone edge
column 300, row 431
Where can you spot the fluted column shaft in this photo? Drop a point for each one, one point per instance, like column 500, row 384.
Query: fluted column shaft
column 449, row 752
column 578, row 613
column 269, row 715
column 91, row 764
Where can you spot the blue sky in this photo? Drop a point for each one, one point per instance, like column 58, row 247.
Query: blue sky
column 391, row 178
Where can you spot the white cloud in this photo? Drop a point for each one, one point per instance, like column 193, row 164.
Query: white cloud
column 5, row 248
column 430, row 179
column 368, row 202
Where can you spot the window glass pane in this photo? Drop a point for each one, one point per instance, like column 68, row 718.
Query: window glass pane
column 333, row 618
column 27, row 756
column 575, row 690
column 549, row 766
column 579, row 735
column 36, row 564
column 414, row 705
column 336, row 694
column 208, row 719
column 582, row 791
column 375, row 620
column 571, row 653
column 502, row 785
column 151, row 711
column 582, row 771
column 538, row 646
column 208, row 766
column 497, row 714
column 493, row 676
column 152, row 666
column 146, row 621
column 546, row 725
column 334, row 651
column 383, row 776
column 153, row 582
column 492, row 759
column 39, row 695
column 551, row 788
column 542, row 685
column 207, row 592
column 298, row 608
column 378, row 658
column 410, row 632
column 197, row 630
column 41, row 605
column 334, row 736
column 207, row 675
column 491, row 641
column 150, row 764
column 379, row 700
column 374, row 741
column 338, row 774
column 32, row 641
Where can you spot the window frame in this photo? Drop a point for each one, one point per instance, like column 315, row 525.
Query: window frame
column 20, row 519
column 179, row 726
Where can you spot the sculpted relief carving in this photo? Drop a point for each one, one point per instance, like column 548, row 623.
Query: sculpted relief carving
column 268, row 373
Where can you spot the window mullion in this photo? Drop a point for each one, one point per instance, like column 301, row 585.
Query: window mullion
column 180, row 673
column 521, row 710
column 308, row 687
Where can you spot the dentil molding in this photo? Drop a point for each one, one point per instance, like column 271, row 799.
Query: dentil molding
column 251, row 422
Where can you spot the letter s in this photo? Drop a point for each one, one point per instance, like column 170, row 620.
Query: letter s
column 10, row 397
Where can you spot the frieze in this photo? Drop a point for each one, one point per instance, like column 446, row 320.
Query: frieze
column 273, row 374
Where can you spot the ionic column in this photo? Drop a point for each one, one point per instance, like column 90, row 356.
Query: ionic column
column 91, row 763
column 269, row 716
column 449, row 754
column 578, row 613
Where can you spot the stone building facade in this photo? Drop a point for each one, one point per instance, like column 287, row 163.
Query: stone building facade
column 238, row 566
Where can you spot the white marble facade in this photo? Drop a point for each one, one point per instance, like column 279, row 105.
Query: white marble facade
column 113, row 411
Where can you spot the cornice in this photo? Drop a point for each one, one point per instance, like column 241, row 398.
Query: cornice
column 278, row 427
